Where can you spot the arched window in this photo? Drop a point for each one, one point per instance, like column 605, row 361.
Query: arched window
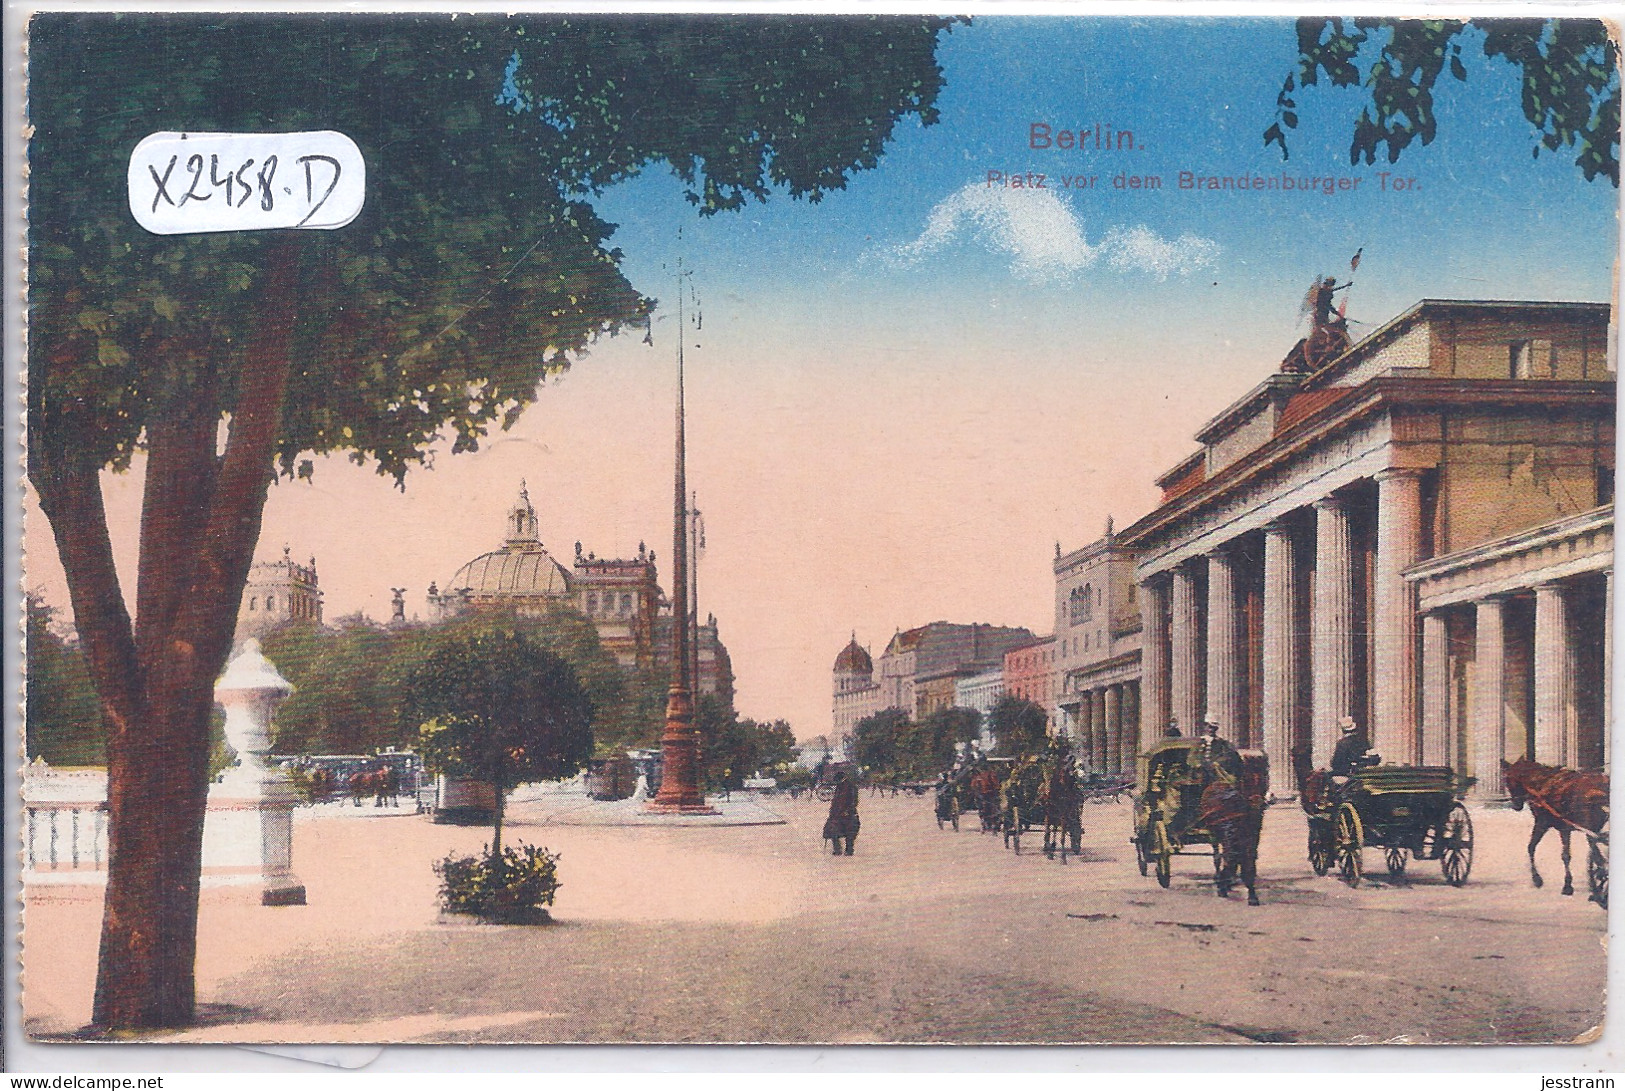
column 626, row 602
column 253, row 601
column 1082, row 603
column 592, row 604
column 270, row 602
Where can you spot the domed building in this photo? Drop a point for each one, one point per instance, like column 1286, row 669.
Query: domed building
column 521, row 576
column 621, row 597
column 857, row 696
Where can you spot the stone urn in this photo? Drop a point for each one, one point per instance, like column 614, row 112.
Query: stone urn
column 248, row 833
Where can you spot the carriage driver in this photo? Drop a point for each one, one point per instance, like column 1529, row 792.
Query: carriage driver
column 1353, row 751
column 1218, row 753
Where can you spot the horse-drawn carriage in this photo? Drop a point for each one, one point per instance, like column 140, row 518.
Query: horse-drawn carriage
column 1043, row 791
column 954, row 795
column 1196, row 792
column 1408, row 811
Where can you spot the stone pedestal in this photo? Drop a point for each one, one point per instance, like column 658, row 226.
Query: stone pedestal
column 248, row 833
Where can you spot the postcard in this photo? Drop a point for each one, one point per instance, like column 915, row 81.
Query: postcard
column 817, row 528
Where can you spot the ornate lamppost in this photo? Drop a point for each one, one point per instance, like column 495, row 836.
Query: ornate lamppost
column 680, row 745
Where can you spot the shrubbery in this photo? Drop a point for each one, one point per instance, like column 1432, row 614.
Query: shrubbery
column 515, row 890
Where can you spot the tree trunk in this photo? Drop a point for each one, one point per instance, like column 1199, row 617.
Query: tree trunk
column 200, row 525
column 157, row 795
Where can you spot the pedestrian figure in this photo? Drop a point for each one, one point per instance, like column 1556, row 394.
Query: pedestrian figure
column 843, row 814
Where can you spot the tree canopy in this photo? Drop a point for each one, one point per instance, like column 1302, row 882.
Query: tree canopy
column 476, row 267
column 733, row 748
column 496, row 706
column 1568, row 75
column 1019, row 726
column 891, row 743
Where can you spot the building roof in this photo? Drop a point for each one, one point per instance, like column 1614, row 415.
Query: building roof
column 854, row 660
column 511, row 571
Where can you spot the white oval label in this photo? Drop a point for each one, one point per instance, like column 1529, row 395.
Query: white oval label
column 182, row 183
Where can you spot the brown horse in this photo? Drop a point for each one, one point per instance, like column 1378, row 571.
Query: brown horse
column 1233, row 811
column 1061, row 800
column 1562, row 799
column 984, row 788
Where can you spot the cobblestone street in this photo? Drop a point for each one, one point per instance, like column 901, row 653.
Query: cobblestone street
column 756, row 934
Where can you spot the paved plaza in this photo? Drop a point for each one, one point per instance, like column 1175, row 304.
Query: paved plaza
column 754, row 933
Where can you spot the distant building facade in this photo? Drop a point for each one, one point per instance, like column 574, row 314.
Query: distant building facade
column 1097, row 664
column 279, row 592
column 920, row 670
column 621, row 597
column 1029, row 673
column 979, row 692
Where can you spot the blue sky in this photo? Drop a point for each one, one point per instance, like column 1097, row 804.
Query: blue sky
column 1490, row 219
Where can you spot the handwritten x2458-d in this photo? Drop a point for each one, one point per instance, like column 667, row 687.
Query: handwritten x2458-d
column 180, row 183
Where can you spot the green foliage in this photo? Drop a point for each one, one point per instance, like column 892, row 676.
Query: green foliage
column 515, row 886
column 64, row 716
column 350, row 681
column 732, row 749
column 498, row 707
column 475, row 268
column 349, row 686
column 874, row 740
column 1568, row 70
column 1019, row 726
column 890, row 744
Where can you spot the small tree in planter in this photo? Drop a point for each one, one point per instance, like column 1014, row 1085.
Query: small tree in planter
column 497, row 707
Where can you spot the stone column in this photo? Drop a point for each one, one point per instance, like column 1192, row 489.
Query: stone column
column 1097, row 698
column 1555, row 727
column 1280, row 697
column 1086, row 738
column 1186, row 697
column 1332, row 649
column 1489, row 697
column 1114, row 729
column 1436, row 748
column 1154, row 703
column 1224, row 647
column 1393, row 628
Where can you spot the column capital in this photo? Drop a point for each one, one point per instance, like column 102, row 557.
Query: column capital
column 1391, row 472
column 1278, row 528
column 1331, row 502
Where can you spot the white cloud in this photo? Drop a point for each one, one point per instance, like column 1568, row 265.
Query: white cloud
column 1044, row 238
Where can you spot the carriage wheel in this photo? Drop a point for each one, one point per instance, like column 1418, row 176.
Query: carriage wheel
column 1346, row 847
column 1456, row 846
column 1597, row 872
column 1396, row 856
column 1164, row 852
column 1320, row 845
